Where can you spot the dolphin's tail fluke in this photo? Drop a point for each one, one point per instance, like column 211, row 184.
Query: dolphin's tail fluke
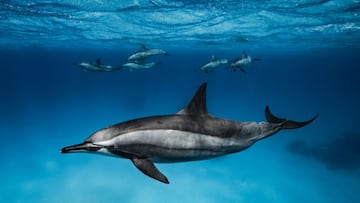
column 284, row 123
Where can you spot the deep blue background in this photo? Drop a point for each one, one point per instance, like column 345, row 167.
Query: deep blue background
column 47, row 103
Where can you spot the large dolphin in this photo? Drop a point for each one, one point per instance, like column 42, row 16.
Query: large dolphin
column 241, row 62
column 191, row 134
column 96, row 67
column 214, row 63
column 144, row 53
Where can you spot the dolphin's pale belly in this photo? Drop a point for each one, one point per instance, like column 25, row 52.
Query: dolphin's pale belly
column 166, row 145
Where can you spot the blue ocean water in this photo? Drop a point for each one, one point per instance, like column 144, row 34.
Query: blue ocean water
column 309, row 52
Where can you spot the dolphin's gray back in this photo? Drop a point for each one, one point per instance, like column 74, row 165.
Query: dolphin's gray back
column 203, row 124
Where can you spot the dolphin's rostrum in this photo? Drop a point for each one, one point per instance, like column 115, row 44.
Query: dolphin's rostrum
column 191, row 134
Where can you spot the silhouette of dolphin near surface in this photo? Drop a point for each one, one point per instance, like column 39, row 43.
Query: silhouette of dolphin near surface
column 213, row 64
column 96, row 67
column 189, row 135
column 144, row 53
column 242, row 62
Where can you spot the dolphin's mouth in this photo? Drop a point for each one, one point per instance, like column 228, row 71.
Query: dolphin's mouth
column 83, row 147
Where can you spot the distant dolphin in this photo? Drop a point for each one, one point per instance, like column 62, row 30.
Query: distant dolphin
column 135, row 66
column 144, row 53
column 96, row 67
column 191, row 134
column 241, row 62
column 214, row 63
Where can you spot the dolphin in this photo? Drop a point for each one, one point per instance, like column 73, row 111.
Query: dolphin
column 214, row 63
column 144, row 53
column 96, row 67
column 189, row 135
column 241, row 62
column 135, row 66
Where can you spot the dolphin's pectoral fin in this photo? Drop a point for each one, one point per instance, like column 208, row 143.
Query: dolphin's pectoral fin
column 243, row 69
column 148, row 168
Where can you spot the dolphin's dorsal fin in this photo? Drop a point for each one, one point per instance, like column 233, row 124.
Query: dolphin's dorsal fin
column 244, row 55
column 143, row 47
column 197, row 105
column 98, row 61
